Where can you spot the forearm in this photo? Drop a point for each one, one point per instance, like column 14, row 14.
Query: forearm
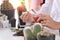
column 58, row 25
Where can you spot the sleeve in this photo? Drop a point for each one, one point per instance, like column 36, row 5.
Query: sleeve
column 46, row 8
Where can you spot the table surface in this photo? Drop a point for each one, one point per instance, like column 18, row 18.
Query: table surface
column 7, row 34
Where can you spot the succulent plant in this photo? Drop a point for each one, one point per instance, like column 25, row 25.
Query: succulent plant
column 28, row 33
column 44, row 34
column 32, row 34
column 38, row 34
column 36, row 29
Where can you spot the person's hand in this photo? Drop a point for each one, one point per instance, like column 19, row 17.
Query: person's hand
column 27, row 17
column 47, row 21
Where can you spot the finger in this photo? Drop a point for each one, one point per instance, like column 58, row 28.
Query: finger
column 43, row 15
column 43, row 22
column 41, row 19
column 27, row 17
column 30, row 18
column 22, row 16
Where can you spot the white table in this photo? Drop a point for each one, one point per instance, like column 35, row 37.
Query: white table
column 6, row 34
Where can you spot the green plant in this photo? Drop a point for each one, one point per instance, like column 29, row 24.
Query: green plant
column 36, row 29
column 32, row 34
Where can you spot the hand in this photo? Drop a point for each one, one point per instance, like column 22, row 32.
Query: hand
column 47, row 21
column 27, row 17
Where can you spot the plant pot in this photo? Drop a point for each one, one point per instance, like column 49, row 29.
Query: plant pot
column 51, row 37
column 31, row 39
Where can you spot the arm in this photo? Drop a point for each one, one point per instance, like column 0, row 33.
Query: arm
column 58, row 24
column 48, row 22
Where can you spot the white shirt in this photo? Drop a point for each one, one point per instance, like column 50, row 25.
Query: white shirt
column 55, row 12
column 46, row 8
column 51, row 8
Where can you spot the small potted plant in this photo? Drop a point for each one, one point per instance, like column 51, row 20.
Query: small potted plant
column 43, row 35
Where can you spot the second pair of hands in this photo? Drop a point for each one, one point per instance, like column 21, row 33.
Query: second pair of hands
column 28, row 17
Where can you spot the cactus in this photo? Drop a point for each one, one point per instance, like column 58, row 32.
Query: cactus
column 38, row 34
column 44, row 34
column 32, row 34
column 28, row 33
column 36, row 29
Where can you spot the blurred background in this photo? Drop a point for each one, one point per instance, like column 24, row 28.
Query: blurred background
column 14, row 8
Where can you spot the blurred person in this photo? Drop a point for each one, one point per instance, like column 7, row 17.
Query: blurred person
column 6, row 5
column 49, row 14
column 49, row 8
column 27, row 17
column 51, row 18
column 8, row 9
column 21, row 9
